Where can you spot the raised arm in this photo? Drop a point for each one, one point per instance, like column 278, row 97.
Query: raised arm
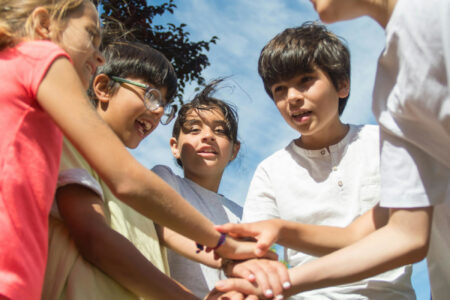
column 61, row 95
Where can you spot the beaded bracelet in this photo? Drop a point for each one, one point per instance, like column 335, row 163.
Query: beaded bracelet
column 219, row 243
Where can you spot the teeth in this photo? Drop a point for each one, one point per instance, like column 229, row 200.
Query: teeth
column 301, row 114
column 147, row 125
column 208, row 151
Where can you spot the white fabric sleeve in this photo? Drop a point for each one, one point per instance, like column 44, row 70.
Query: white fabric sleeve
column 260, row 203
column 76, row 176
column 409, row 176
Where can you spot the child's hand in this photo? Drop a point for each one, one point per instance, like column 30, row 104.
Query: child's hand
column 265, row 232
column 239, row 250
column 271, row 276
column 232, row 295
column 242, row 286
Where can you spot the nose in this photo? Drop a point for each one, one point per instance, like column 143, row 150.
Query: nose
column 294, row 95
column 208, row 135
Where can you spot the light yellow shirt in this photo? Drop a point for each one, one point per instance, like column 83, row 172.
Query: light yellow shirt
column 68, row 275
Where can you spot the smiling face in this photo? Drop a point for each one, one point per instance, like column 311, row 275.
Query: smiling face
column 203, row 145
column 79, row 36
column 124, row 111
column 309, row 104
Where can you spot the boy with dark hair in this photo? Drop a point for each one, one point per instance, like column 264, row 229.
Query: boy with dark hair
column 329, row 175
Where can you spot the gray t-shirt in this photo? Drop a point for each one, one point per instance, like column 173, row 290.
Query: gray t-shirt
column 200, row 279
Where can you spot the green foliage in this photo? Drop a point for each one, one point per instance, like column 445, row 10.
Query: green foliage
column 136, row 16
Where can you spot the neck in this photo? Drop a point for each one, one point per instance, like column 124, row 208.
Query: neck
column 210, row 182
column 327, row 137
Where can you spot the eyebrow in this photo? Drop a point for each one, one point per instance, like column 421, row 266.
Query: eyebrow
column 197, row 121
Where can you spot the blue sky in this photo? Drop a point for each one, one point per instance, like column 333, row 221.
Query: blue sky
column 243, row 28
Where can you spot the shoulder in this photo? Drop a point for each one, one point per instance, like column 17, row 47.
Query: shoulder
column 41, row 49
column 366, row 132
column 163, row 170
column 274, row 160
column 166, row 174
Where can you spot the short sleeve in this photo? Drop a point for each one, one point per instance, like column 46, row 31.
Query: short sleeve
column 44, row 54
column 260, row 202
column 166, row 174
column 74, row 169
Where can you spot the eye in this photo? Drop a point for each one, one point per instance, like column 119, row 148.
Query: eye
column 220, row 131
column 193, row 129
column 306, row 79
column 94, row 36
column 278, row 89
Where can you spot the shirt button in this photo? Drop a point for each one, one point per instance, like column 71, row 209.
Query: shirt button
column 335, row 169
column 340, row 183
column 322, row 152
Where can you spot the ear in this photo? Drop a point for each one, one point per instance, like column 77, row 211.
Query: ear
column 344, row 89
column 41, row 22
column 100, row 86
column 236, row 148
column 174, row 147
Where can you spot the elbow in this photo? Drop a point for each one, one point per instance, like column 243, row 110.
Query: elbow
column 124, row 189
column 419, row 251
column 90, row 246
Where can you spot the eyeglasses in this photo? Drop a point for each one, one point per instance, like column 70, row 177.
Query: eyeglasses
column 152, row 100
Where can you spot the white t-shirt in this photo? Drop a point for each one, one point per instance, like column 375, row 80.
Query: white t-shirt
column 412, row 105
column 200, row 279
column 326, row 187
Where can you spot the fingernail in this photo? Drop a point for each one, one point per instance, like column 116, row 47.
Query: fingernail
column 279, row 297
column 219, row 284
column 251, row 277
column 268, row 293
column 286, row 285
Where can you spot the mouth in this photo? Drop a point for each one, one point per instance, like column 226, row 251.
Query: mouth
column 302, row 116
column 144, row 127
column 207, row 151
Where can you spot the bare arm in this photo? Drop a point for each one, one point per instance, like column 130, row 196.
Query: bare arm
column 61, row 95
column 321, row 240
column 404, row 240
column 315, row 240
column 82, row 211
column 186, row 247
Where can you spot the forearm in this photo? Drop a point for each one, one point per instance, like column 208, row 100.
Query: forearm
column 320, row 240
column 187, row 248
column 125, row 264
column 403, row 241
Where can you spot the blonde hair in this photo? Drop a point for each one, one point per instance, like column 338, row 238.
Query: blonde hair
column 16, row 21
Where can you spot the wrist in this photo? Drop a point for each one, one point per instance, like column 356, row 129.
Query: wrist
column 220, row 242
